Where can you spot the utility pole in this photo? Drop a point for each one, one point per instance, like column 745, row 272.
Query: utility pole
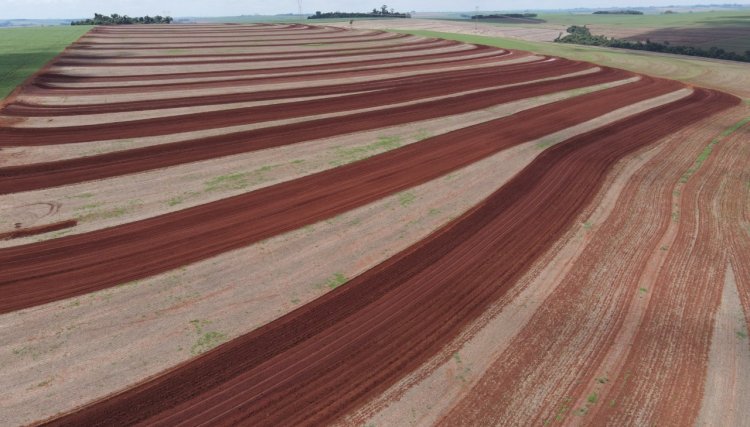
column 299, row 7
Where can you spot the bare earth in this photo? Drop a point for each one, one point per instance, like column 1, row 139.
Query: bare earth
column 636, row 314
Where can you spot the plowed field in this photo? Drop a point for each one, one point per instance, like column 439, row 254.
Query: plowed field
column 302, row 225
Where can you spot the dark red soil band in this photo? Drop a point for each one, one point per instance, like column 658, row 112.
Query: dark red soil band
column 455, row 55
column 27, row 136
column 31, row 110
column 298, row 39
column 202, row 29
column 73, row 265
column 230, row 33
column 330, row 356
column 342, row 40
column 94, row 61
column 244, row 77
column 343, row 50
column 69, row 171
column 97, row 33
column 39, row 229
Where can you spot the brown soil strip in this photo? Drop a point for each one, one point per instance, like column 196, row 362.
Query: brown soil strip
column 243, row 219
column 552, row 372
column 438, row 385
column 23, row 109
column 404, row 48
column 371, row 95
column 312, row 365
column 42, row 175
column 39, row 229
column 170, row 79
column 398, row 93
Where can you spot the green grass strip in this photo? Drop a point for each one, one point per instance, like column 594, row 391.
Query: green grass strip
column 23, row 51
column 703, row 156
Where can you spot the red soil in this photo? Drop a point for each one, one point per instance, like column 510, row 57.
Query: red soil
column 120, row 254
column 39, row 229
column 191, row 45
column 329, row 356
column 51, row 89
column 43, row 175
column 100, row 61
column 25, row 109
column 385, row 95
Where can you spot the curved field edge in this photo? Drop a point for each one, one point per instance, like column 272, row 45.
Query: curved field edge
column 24, row 51
column 183, row 187
column 687, row 69
column 263, row 219
column 623, row 218
column 411, row 286
column 334, row 281
column 230, row 297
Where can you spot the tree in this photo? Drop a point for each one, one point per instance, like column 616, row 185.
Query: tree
column 117, row 19
column 384, row 9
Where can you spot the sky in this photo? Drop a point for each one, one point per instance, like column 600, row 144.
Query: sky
column 61, row 9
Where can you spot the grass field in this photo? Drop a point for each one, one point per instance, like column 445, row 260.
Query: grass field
column 729, row 30
column 696, row 19
column 24, row 50
column 697, row 71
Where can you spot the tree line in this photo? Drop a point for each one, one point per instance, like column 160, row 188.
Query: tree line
column 384, row 12
column 505, row 15
column 582, row 35
column 116, row 19
column 618, row 12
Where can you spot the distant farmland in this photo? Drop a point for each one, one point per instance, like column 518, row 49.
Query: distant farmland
column 728, row 30
column 287, row 224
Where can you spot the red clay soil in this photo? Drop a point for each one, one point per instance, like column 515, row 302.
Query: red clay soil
column 98, row 61
column 39, row 229
column 190, row 45
column 398, row 93
column 171, row 33
column 674, row 359
column 298, row 54
column 47, row 271
column 462, row 79
column 50, row 89
column 229, row 32
column 49, row 174
column 308, row 38
column 219, row 32
column 25, row 109
column 324, row 359
column 448, row 56
column 414, row 55
column 192, row 29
